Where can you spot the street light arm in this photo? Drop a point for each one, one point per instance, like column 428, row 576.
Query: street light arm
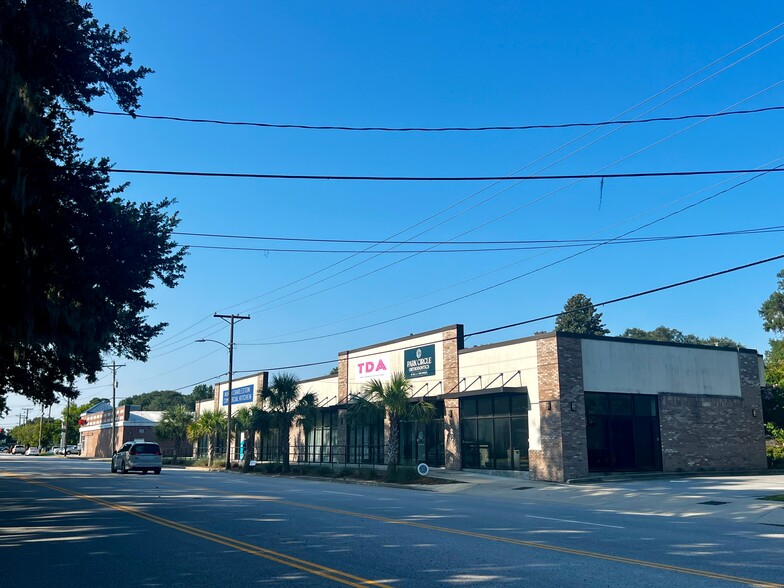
column 212, row 341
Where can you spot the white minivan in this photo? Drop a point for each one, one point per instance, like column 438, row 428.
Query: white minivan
column 140, row 456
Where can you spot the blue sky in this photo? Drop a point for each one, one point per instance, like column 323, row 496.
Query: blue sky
column 406, row 64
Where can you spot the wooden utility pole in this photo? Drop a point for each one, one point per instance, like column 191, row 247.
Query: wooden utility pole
column 114, row 367
column 231, row 319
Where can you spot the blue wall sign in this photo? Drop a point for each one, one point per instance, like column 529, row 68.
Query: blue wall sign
column 238, row 395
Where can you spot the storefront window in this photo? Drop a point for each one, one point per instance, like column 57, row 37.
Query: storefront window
column 319, row 442
column 423, row 441
column 622, row 431
column 494, row 430
column 366, row 443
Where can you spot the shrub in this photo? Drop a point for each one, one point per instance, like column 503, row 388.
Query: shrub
column 273, row 468
column 324, row 471
column 402, row 474
column 775, row 456
column 366, row 474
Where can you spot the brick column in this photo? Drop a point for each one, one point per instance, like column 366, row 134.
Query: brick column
column 564, row 453
column 572, row 407
column 340, row 445
column 452, row 344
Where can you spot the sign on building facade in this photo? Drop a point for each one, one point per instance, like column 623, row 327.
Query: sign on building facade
column 373, row 367
column 420, row 361
column 239, row 395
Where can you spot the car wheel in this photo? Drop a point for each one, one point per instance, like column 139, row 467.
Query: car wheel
column 114, row 469
column 157, row 471
column 123, row 468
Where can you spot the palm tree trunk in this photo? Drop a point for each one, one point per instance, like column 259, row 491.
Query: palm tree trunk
column 393, row 449
column 210, row 450
column 284, row 444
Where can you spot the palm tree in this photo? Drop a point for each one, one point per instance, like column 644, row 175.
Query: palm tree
column 288, row 407
column 174, row 426
column 250, row 421
column 392, row 398
column 210, row 423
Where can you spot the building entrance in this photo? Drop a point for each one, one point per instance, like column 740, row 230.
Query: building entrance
column 423, row 441
column 622, row 432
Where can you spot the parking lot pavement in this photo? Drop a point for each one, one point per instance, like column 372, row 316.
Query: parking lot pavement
column 731, row 497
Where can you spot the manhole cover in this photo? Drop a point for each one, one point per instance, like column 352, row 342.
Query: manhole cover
column 714, row 502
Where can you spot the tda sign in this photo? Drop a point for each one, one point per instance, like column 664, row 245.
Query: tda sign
column 375, row 367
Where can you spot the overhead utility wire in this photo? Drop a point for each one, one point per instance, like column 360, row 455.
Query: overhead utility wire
column 439, row 178
column 524, row 274
column 617, row 161
column 553, row 315
column 413, row 254
column 445, row 129
column 704, row 68
column 639, row 294
column 493, row 242
column 628, row 110
column 529, row 245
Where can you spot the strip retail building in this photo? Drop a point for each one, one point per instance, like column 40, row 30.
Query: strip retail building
column 559, row 405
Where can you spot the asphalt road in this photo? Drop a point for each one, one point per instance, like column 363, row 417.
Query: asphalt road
column 72, row 523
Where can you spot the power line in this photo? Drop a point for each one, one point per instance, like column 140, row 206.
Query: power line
column 550, row 316
column 444, row 129
column 514, row 245
column 602, row 176
column 519, row 276
column 703, row 69
column 638, row 294
column 628, row 110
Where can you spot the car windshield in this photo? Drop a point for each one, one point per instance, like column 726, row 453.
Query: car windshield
column 147, row 448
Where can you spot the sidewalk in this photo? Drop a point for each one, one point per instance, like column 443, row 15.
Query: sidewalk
column 729, row 497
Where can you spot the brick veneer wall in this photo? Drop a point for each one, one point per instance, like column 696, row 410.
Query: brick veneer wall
column 572, row 405
column 343, row 377
column 452, row 344
column 563, row 454
column 703, row 433
column 341, row 431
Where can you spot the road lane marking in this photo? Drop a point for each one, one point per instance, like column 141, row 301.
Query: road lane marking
column 509, row 540
column 281, row 558
column 574, row 522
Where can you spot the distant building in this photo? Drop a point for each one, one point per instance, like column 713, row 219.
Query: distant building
column 95, row 429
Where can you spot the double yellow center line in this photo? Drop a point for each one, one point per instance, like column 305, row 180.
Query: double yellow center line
column 281, row 558
column 351, row 580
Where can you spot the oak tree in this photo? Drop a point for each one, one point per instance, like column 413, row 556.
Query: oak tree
column 78, row 261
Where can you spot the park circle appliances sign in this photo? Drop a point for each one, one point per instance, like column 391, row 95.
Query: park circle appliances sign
column 420, row 361
column 375, row 367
